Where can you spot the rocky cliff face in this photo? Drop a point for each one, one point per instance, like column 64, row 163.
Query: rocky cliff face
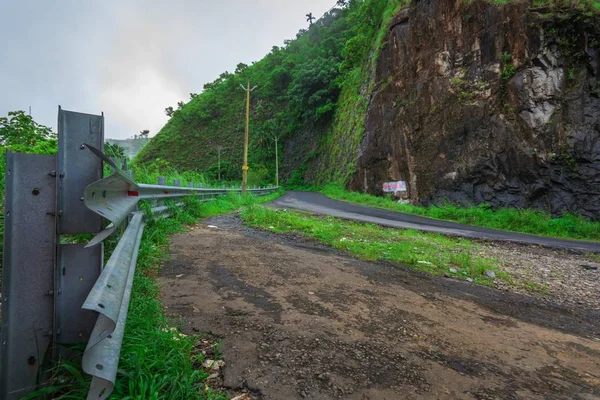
column 483, row 103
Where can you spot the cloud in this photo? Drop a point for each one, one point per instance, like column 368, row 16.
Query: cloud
column 136, row 78
column 132, row 58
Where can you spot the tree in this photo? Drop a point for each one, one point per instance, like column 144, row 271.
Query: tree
column 300, row 33
column 170, row 111
column 310, row 18
column 240, row 68
column 144, row 134
column 20, row 129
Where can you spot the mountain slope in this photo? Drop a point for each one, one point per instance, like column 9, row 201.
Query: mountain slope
column 312, row 93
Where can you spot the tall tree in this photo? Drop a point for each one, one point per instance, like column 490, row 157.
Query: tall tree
column 310, row 18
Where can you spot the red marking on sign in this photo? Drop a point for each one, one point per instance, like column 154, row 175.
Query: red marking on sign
column 399, row 186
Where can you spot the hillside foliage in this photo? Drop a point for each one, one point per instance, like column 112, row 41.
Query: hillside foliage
column 314, row 83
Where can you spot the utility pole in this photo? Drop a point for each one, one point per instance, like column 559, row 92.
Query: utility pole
column 246, row 137
column 219, row 160
column 276, row 164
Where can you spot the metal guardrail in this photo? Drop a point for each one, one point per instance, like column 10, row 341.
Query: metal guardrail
column 56, row 294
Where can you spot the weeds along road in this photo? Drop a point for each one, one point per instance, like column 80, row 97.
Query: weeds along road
column 301, row 321
column 320, row 204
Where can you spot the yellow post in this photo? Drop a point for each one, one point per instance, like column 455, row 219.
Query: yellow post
column 276, row 165
column 245, row 166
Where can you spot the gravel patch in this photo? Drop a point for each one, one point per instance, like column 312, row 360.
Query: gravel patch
column 567, row 278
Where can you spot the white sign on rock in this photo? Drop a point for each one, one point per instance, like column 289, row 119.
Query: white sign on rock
column 399, row 186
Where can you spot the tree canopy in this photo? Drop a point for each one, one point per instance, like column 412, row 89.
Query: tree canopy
column 19, row 129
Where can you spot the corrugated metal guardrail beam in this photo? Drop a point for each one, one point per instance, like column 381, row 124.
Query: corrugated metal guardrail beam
column 115, row 197
column 110, row 298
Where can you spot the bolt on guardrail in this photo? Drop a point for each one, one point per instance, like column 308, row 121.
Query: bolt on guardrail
column 56, row 294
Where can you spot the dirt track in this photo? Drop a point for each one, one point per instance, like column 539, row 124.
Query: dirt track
column 302, row 321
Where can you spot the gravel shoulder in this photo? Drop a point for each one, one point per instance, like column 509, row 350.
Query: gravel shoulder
column 565, row 278
column 299, row 320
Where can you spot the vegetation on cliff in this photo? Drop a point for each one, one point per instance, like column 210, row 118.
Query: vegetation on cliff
column 314, row 83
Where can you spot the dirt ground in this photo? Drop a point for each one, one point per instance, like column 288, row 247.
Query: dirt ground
column 299, row 320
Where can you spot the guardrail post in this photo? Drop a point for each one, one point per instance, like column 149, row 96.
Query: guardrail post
column 77, row 267
column 161, row 181
column 191, row 184
column 176, row 182
column 28, row 272
column 200, row 185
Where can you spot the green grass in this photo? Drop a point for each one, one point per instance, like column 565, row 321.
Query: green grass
column 569, row 226
column 156, row 359
column 148, row 175
column 432, row 253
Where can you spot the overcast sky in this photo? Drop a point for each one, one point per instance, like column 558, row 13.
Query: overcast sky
column 132, row 58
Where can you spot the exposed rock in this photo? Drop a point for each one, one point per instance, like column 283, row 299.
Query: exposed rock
column 480, row 103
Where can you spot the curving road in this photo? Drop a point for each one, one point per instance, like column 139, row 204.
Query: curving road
column 320, row 204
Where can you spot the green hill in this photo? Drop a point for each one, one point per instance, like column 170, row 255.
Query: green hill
column 312, row 93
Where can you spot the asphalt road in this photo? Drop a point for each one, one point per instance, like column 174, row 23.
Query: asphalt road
column 320, row 204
